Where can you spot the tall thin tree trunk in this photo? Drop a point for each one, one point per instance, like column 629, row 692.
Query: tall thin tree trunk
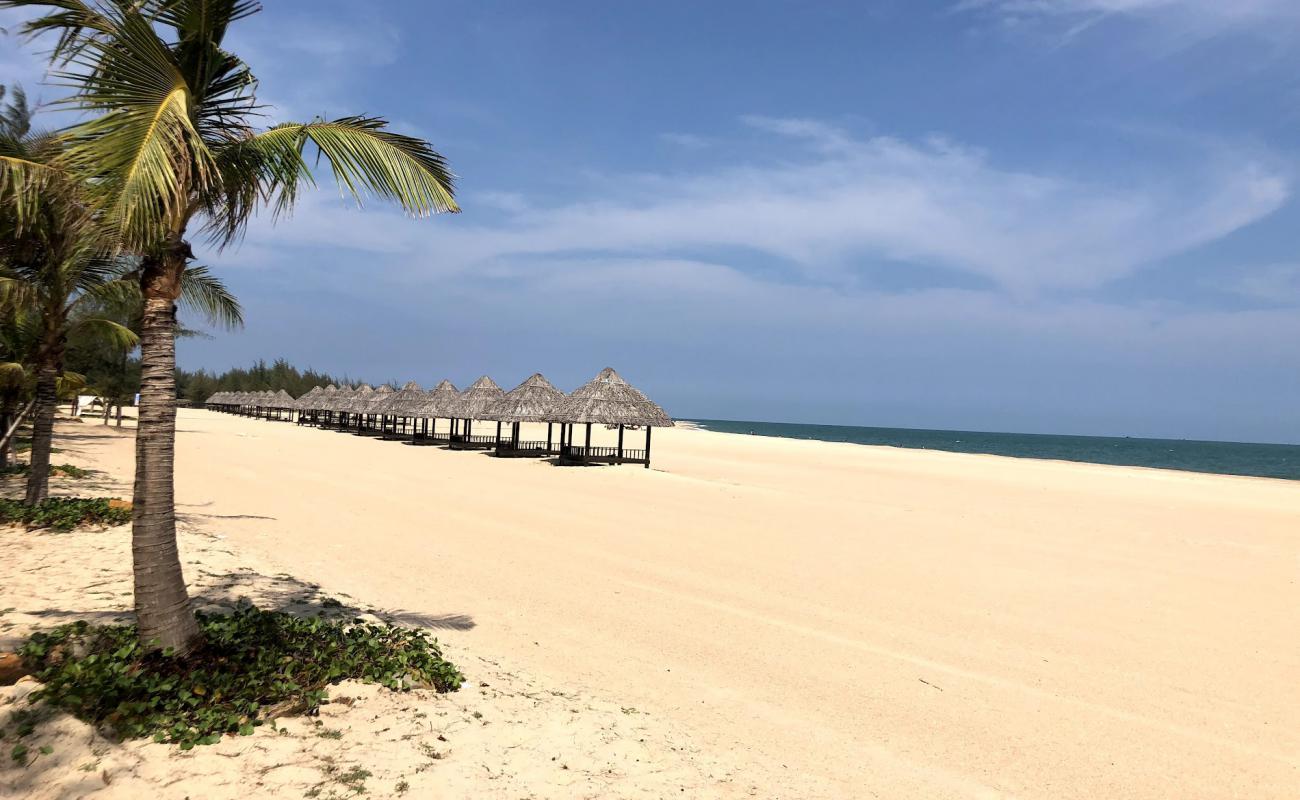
column 162, row 604
column 108, row 408
column 38, row 473
column 6, row 419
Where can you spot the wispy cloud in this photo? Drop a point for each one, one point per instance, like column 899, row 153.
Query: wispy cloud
column 829, row 205
column 689, row 141
column 1195, row 18
column 1271, row 284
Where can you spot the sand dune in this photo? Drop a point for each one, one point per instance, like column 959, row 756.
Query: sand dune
column 834, row 620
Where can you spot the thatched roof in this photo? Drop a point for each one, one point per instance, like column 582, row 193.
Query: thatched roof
column 437, row 401
column 357, row 402
column 325, row 399
column 335, row 401
column 379, row 399
column 304, row 403
column 316, row 398
column 474, row 401
column 280, row 399
column 609, row 400
column 530, row 401
column 404, row 402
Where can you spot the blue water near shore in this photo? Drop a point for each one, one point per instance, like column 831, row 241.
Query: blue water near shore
column 1225, row 458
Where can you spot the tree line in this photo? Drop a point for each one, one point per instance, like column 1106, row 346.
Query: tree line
column 200, row 384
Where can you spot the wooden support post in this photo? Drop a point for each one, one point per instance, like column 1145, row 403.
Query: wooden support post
column 647, row 447
column 548, row 436
column 586, row 453
column 620, row 442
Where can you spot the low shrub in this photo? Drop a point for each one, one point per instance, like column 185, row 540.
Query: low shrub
column 69, row 471
column 253, row 665
column 63, row 513
column 63, row 470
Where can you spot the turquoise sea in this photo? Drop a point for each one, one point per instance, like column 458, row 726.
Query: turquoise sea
column 1227, row 458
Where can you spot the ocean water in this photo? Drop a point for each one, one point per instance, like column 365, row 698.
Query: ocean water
column 1225, row 458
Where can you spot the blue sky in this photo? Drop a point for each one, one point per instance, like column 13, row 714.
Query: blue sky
column 1067, row 216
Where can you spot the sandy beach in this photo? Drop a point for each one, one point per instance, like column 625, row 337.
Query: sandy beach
column 751, row 617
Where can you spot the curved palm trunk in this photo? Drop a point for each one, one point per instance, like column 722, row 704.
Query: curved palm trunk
column 162, row 605
column 38, row 473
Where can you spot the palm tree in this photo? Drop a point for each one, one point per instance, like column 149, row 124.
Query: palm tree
column 52, row 260
column 172, row 143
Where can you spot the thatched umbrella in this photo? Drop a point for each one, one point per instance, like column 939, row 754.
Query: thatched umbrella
column 609, row 400
column 436, row 404
column 401, row 404
column 337, row 406
column 471, row 405
column 355, row 405
column 368, row 411
column 322, row 404
column 305, row 405
column 280, row 402
column 534, row 400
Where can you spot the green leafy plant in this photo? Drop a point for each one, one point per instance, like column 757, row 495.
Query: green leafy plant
column 254, row 665
column 69, row 471
column 63, row 513
column 66, row 470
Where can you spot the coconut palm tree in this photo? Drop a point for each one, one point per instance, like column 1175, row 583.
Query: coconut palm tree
column 52, row 261
column 172, row 145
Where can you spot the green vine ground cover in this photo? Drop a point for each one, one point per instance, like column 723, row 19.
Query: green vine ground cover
column 254, row 665
column 63, row 513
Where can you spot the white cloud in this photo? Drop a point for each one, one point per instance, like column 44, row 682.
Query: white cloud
column 688, row 141
column 1274, row 284
column 832, row 203
column 1193, row 18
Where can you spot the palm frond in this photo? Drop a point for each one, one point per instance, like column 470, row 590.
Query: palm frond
column 18, row 293
column 142, row 153
column 70, row 382
column 12, row 375
column 366, row 158
column 204, row 293
column 22, row 182
column 74, row 22
column 114, row 332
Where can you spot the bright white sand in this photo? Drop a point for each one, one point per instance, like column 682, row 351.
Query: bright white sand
column 838, row 620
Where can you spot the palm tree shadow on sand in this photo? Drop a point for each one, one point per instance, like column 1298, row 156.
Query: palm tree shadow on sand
column 283, row 592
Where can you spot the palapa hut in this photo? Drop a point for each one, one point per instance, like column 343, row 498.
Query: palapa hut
column 215, row 402
column 368, row 423
column 469, row 406
column 322, row 411
column 305, row 407
column 435, row 405
column 354, row 407
column 398, row 410
column 607, row 400
column 281, row 404
column 534, row 400
column 334, row 405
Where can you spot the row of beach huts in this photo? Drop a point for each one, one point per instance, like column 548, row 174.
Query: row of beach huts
column 412, row 414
